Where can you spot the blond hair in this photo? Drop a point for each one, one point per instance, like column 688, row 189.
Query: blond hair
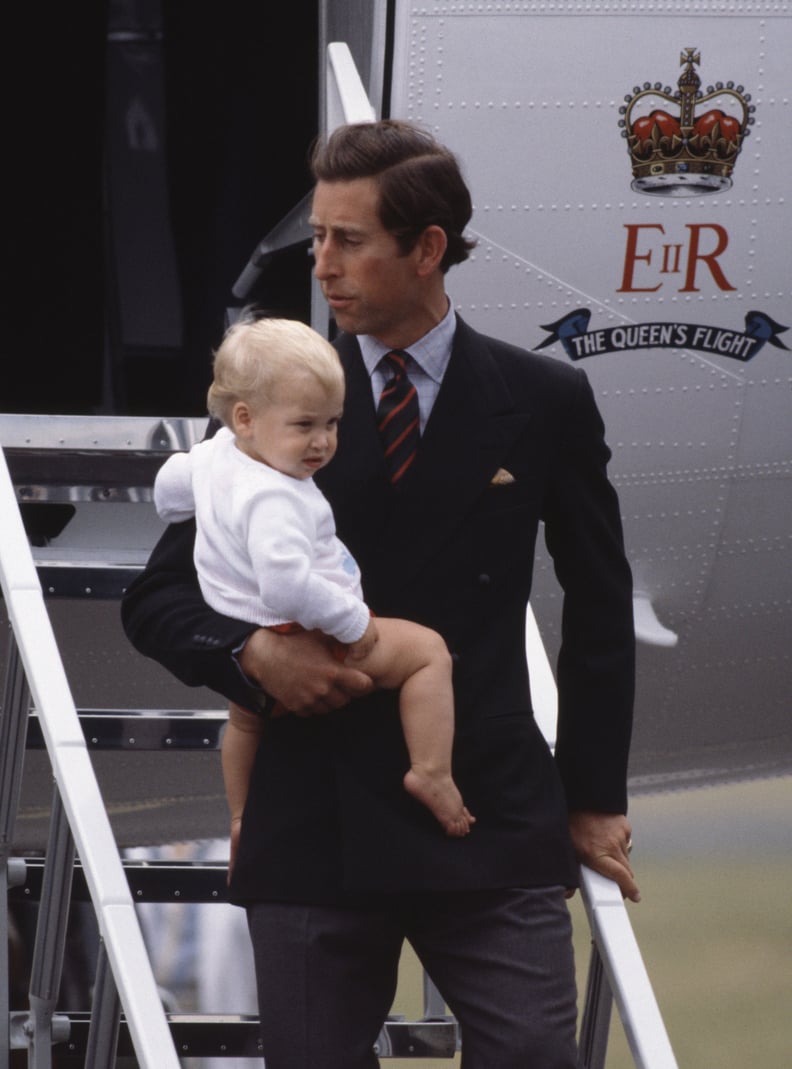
column 257, row 355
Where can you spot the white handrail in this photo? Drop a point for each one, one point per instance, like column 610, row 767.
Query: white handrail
column 610, row 924
column 347, row 100
column 79, row 790
column 626, row 972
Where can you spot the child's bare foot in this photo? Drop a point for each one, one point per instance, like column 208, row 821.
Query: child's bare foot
column 440, row 795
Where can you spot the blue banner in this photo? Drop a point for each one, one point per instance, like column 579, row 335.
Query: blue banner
column 580, row 342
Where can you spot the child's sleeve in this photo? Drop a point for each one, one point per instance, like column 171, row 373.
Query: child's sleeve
column 173, row 493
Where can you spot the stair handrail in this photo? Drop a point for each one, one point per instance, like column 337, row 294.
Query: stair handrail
column 75, row 778
column 616, row 948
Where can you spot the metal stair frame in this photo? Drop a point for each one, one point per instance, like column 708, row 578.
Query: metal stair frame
column 82, row 804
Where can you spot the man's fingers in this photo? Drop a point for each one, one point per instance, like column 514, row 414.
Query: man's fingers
column 346, row 683
column 603, row 841
column 355, row 683
column 619, row 870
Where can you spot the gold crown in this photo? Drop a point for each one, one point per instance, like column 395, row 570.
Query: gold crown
column 678, row 146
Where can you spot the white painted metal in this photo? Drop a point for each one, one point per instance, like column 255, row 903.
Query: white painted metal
column 544, row 696
column 100, row 433
column 626, row 972
column 610, row 924
column 74, row 774
column 347, row 100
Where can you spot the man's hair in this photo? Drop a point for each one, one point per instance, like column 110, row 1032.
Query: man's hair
column 258, row 355
column 420, row 181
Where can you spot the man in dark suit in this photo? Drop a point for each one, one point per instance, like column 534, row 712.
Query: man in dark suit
column 336, row 863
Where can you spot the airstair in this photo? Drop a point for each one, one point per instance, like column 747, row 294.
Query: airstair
column 96, row 467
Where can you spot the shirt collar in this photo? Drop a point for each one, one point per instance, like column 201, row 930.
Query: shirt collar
column 431, row 352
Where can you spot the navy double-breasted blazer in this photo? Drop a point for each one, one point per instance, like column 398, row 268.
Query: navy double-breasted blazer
column 327, row 816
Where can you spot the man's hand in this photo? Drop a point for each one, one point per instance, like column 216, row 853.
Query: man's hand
column 300, row 671
column 603, row 841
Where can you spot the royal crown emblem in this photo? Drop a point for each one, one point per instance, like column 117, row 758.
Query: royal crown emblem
column 685, row 142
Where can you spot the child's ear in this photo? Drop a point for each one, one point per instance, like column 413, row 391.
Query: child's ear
column 241, row 419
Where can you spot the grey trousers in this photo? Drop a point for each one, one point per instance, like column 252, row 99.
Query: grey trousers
column 502, row 960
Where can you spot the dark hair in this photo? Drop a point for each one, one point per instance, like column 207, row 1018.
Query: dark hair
column 419, row 179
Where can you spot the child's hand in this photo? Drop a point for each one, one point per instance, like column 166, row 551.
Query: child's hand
column 365, row 644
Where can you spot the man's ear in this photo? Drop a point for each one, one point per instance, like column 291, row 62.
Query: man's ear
column 430, row 249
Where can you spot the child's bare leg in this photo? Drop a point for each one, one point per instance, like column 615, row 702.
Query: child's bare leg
column 238, row 751
column 416, row 660
column 426, row 704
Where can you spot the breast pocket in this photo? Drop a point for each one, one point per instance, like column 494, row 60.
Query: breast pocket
column 505, row 526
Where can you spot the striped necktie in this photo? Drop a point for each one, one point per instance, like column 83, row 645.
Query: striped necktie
column 398, row 419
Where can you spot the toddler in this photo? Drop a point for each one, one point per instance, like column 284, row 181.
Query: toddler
column 266, row 548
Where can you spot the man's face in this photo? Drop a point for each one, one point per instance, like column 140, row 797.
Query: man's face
column 371, row 287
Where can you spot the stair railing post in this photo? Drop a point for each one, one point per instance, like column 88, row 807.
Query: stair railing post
column 105, row 1016
column 48, row 951
column 595, row 1022
column 13, row 731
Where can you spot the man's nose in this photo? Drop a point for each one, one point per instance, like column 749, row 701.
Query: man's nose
column 325, row 264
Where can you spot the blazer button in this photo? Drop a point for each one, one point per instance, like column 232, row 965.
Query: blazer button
column 483, row 579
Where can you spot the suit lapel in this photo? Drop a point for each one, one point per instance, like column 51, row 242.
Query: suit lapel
column 472, row 427
column 356, row 482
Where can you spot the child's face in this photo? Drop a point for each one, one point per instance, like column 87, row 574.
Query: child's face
column 297, row 431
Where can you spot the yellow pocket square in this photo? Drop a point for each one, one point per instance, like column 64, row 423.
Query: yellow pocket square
column 502, row 478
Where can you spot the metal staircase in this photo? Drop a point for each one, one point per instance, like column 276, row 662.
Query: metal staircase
column 83, row 862
column 78, row 821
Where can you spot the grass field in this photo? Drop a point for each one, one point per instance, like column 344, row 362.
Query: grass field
column 714, row 927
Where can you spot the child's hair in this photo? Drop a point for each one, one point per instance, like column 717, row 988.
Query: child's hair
column 256, row 355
